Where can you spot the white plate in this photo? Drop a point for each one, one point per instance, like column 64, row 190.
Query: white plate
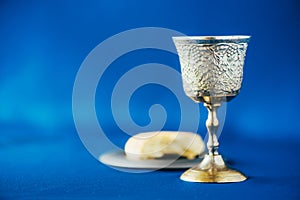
column 119, row 159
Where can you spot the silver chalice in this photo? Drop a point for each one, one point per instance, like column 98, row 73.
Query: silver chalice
column 212, row 73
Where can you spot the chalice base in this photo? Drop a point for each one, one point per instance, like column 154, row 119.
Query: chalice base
column 212, row 169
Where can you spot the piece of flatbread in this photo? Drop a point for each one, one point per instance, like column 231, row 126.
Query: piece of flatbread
column 151, row 145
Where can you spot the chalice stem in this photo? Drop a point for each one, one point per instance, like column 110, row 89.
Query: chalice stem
column 212, row 125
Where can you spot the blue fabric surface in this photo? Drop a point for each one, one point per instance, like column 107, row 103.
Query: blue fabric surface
column 60, row 168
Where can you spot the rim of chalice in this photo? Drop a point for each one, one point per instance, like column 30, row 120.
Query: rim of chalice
column 212, row 39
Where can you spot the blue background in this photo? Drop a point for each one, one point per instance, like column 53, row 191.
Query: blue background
column 43, row 44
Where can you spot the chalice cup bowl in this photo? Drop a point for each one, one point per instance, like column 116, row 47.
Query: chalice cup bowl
column 212, row 73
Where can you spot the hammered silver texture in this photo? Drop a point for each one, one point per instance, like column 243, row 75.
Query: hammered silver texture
column 211, row 69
